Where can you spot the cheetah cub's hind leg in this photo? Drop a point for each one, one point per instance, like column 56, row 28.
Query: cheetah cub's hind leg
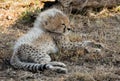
column 57, row 68
column 44, row 58
column 41, row 57
column 60, row 64
column 30, row 58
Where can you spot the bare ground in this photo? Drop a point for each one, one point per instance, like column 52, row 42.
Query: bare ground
column 16, row 18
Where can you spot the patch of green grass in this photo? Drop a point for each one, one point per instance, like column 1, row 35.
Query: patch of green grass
column 117, row 8
column 3, row 0
column 29, row 15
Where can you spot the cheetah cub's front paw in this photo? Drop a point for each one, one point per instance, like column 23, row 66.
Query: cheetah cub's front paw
column 92, row 50
column 93, row 47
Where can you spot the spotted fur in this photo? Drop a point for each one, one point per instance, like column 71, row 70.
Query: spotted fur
column 31, row 51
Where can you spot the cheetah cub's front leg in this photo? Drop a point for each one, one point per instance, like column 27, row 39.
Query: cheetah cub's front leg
column 89, row 46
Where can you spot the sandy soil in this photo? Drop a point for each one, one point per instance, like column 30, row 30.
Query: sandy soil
column 103, row 27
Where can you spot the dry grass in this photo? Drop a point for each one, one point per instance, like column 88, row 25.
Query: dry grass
column 16, row 18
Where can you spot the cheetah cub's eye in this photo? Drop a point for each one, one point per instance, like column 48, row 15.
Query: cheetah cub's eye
column 64, row 25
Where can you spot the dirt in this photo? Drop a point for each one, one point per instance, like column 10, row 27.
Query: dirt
column 103, row 27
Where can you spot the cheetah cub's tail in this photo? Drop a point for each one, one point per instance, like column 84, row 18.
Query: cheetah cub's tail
column 33, row 67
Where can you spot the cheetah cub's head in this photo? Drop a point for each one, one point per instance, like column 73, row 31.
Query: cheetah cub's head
column 54, row 21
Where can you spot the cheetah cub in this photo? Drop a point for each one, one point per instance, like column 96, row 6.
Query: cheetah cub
column 31, row 51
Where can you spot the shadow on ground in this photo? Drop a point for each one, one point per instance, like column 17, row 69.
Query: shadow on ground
column 81, row 66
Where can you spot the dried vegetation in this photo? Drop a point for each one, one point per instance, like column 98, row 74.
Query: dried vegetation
column 103, row 25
